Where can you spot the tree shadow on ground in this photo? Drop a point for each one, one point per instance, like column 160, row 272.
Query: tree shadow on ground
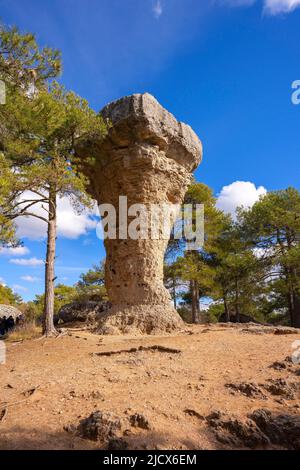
column 18, row 438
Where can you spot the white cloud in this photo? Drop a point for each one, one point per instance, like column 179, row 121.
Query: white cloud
column 17, row 287
column 2, row 282
column 274, row 7
column 30, row 278
column 239, row 193
column 27, row 261
column 72, row 268
column 88, row 242
column 72, row 225
column 157, row 9
column 262, row 252
column 14, row 251
column 69, row 224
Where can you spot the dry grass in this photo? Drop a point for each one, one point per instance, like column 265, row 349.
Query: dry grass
column 26, row 331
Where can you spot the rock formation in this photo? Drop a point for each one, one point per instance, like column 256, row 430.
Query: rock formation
column 149, row 157
column 9, row 310
column 89, row 311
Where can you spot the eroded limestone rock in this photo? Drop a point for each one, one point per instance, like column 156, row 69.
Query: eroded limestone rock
column 149, row 157
column 89, row 311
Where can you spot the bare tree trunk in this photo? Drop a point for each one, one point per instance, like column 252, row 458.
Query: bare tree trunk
column 200, row 316
column 290, row 302
column 293, row 301
column 48, row 326
column 297, row 313
column 174, row 292
column 195, row 305
column 227, row 314
column 295, row 317
column 295, row 320
column 237, row 309
column 197, row 297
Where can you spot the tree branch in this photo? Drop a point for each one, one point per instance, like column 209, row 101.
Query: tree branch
column 32, row 214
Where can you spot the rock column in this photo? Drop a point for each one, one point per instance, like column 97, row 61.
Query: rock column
column 146, row 158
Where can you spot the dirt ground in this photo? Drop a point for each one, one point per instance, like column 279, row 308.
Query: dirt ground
column 48, row 385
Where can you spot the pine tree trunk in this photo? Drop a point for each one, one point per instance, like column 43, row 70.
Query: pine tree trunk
column 195, row 302
column 194, row 290
column 290, row 302
column 48, row 326
column 174, row 293
column 200, row 316
column 237, row 309
column 197, row 298
column 295, row 317
column 295, row 321
column 227, row 315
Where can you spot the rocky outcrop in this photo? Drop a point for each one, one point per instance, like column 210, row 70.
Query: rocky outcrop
column 83, row 311
column 233, row 319
column 260, row 329
column 9, row 310
column 110, row 429
column 280, row 387
column 260, row 429
column 101, row 426
column 281, row 429
column 236, row 432
column 249, row 389
column 147, row 156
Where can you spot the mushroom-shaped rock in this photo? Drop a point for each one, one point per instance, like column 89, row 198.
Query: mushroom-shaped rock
column 148, row 157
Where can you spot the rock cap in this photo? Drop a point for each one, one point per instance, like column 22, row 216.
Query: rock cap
column 140, row 118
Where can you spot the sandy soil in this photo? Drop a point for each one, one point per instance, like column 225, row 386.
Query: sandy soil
column 47, row 385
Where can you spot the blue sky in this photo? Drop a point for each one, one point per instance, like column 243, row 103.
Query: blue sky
column 223, row 66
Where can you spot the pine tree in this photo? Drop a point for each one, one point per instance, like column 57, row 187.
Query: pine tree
column 24, row 67
column 272, row 225
column 40, row 148
column 194, row 267
column 237, row 273
column 91, row 285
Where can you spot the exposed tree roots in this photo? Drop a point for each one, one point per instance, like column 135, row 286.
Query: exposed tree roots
column 155, row 347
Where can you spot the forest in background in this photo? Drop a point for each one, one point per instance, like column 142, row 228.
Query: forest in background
column 248, row 267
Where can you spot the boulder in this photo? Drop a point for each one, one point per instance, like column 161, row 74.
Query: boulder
column 281, row 429
column 236, row 432
column 101, row 426
column 260, row 429
column 83, row 311
column 243, row 319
